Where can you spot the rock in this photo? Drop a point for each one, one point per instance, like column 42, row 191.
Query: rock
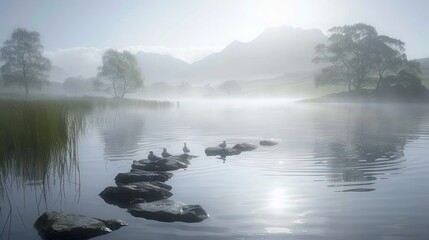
column 214, row 151
column 59, row 225
column 168, row 164
column 169, row 211
column 158, row 184
column 244, row 147
column 136, row 175
column 267, row 143
column 125, row 195
column 184, row 158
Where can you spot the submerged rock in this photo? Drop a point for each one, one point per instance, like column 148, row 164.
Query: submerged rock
column 169, row 211
column 59, row 225
column 244, row 147
column 168, row 164
column 136, row 175
column 124, row 195
column 267, row 143
column 214, row 151
column 184, row 158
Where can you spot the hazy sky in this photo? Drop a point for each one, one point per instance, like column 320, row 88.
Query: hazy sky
column 191, row 29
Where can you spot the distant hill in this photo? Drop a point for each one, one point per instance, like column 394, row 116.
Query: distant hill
column 275, row 52
column 160, row 68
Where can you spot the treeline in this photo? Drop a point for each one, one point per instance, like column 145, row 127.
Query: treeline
column 357, row 56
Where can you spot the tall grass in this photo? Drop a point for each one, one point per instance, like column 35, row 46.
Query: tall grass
column 39, row 138
column 39, row 142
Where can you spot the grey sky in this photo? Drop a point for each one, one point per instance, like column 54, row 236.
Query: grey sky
column 204, row 26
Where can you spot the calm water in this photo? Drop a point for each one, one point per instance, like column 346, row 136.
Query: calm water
column 338, row 172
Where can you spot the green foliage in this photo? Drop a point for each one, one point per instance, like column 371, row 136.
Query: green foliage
column 38, row 139
column 24, row 63
column 356, row 53
column 122, row 70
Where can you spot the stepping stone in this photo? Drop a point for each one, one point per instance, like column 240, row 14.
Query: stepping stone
column 60, row 225
column 136, row 175
column 169, row 211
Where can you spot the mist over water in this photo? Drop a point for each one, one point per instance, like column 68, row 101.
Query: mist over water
column 226, row 119
column 338, row 170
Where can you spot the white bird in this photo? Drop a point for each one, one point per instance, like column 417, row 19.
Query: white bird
column 165, row 154
column 223, row 145
column 185, row 149
column 153, row 157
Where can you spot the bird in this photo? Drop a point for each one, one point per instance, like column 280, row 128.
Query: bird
column 165, row 154
column 185, row 149
column 223, row 145
column 153, row 157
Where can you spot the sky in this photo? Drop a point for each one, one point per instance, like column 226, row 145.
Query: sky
column 192, row 29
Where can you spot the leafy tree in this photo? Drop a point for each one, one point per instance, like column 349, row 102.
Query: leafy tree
column 356, row 53
column 122, row 70
column 388, row 54
column 24, row 63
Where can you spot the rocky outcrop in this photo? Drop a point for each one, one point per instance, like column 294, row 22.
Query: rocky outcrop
column 169, row 211
column 126, row 194
column 244, row 147
column 136, row 175
column 267, row 143
column 167, row 164
column 59, row 225
column 218, row 151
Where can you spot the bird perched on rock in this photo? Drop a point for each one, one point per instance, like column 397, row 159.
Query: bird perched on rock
column 223, row 145
column 185, row 149
column 165, row 154
column 153, row 157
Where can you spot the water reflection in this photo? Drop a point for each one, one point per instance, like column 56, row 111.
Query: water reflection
column 38, row 148
column 38, row 140
column 122, row 134
column 367, row 143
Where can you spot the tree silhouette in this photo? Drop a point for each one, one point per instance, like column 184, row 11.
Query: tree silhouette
column 122, row 70
column 24, row 63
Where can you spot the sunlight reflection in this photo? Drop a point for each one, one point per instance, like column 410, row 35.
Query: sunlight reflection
column 277, row 200
column 277, row 230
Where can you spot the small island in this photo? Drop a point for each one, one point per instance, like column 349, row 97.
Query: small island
column 374, row 67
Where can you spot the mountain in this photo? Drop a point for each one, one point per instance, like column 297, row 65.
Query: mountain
column 160, row 68
column 275, row 52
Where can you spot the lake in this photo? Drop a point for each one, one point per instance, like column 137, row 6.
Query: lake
column 339, row 171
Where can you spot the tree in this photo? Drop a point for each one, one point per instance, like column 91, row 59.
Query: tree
column 122, row 70
column 230, row 87
column 24, row 63
column 356, row 53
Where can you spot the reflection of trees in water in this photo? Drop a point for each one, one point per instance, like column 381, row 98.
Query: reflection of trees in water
column 122, row 134
column 38, row 146
column 368, row 141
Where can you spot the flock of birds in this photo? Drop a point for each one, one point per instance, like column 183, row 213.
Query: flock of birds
column 165, row 154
